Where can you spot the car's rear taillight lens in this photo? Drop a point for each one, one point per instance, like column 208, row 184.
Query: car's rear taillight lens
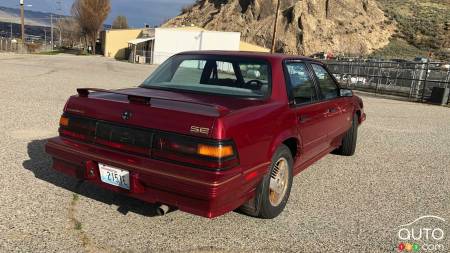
column 194, row 151
column 76, row 127
column 186, row 150
column 64, row 121
column 219, row 151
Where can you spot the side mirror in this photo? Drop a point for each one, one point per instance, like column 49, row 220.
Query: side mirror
column 346, row 93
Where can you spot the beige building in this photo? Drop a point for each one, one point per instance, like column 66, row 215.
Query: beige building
column 115, row 41
column 122, row 43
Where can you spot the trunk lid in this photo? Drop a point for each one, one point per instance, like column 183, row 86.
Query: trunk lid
column 182, row 113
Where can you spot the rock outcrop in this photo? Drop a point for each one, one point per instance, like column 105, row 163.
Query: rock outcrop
column 305, row 26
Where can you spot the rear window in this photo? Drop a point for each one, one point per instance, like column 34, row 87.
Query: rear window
column 239, row 77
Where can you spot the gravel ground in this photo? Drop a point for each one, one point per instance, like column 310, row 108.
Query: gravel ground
column 401, row 171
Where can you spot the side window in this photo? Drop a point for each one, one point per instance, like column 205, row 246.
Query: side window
column 327, row 85
column 255, row 71
column 302, row 86
column 225, row 70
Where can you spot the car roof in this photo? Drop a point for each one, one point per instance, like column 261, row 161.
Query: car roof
column 249, row 54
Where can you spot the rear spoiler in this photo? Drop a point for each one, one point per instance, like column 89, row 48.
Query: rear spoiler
column 140, row 99
column 133, row 98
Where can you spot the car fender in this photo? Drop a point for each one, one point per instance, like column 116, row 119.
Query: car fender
column 280, row 138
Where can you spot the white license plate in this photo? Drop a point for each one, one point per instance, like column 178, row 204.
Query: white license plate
column 114, row 176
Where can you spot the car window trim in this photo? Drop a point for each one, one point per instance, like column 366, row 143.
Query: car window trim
column 288, row 83
column 321, row 96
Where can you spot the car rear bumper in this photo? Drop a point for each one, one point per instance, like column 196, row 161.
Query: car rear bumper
column 196, row 191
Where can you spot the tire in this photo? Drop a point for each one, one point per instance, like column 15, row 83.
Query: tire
column 348, row 145
column 270, row 199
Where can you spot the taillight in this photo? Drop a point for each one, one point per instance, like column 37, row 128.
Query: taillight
column 190, row 151
column 71, row 134
column 64, row 121
column 76, row 127
column 195, row 152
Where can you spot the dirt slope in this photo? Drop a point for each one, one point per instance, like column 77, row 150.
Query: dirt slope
column 305, row 27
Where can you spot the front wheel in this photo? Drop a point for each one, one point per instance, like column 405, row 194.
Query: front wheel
column 348, row 145
column 273, row 192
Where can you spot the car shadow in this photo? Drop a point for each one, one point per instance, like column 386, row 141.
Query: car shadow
column 40, row 163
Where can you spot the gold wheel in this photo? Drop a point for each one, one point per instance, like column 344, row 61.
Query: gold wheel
column 279, row 180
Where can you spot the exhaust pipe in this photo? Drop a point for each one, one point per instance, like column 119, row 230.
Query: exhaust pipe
column 162, row 210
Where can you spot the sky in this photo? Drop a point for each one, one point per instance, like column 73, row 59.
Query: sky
column 138, row 12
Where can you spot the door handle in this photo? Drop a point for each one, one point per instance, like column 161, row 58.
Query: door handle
column 303, row 118
column 332, row 110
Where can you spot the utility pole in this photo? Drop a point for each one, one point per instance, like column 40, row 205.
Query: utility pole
column 22, row 18
column 51, row 27
column 275, row 27
column 11, row 35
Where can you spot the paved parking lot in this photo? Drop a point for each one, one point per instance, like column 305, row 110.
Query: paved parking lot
column 401, row 171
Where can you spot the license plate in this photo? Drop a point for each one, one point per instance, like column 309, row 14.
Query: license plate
column 114, row 176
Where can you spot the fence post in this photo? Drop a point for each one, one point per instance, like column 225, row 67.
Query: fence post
column 425, row 82
column 447, row 80
column 368, row 74
column 378, row 78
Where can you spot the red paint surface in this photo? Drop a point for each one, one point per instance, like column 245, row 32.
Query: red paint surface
column 257, row 128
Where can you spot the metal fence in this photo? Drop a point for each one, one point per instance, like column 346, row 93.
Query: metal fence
column 8, row 45
column 414, row 80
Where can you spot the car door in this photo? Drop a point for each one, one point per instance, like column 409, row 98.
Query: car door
column 337, row 116
column 309, row 112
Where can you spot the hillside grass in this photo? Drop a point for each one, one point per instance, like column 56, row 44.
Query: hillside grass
column 399, row 49
column 423, row 24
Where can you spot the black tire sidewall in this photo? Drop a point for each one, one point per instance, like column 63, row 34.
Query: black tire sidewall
column 269, row 211
column 348, row 146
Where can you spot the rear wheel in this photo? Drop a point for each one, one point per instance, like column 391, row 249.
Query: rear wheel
column 273, row 192
column 348, row 146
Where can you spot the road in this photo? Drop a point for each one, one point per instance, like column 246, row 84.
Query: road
column 401, row 171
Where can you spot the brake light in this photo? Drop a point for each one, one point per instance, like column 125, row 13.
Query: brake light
column 190, row 151
column 76, row 127
column 72, row 134
column 194, row 151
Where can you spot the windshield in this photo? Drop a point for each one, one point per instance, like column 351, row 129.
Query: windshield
column 212, row 74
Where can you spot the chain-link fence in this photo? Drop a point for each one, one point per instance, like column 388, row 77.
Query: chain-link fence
column 414, row 80
column 9, row 45
column 13, row 45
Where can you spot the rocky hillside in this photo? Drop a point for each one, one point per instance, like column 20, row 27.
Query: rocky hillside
column 306, row 26
column 423, row 26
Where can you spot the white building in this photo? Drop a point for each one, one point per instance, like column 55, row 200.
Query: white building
column 155, row 45
column 161, row 43
column 171, row 41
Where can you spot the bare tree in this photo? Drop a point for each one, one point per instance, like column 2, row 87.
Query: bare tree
column 71, row 31
column 90, row 15
column 120, row 22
